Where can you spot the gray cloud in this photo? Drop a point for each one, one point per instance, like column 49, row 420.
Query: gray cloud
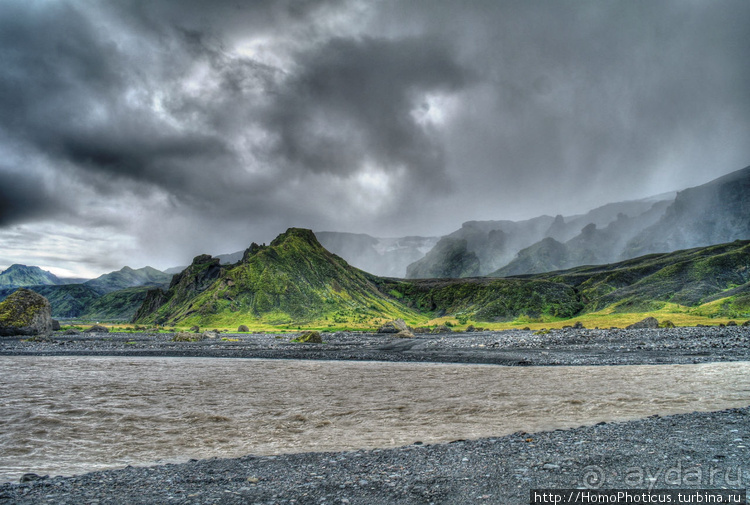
column 24, row 198
column 202, row 127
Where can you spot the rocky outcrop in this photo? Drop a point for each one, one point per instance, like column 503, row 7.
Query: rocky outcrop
column 25, row 313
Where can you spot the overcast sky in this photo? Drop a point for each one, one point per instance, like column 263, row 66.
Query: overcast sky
column 137, row 132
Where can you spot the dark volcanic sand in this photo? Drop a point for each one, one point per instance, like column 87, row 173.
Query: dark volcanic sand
column 684, row 451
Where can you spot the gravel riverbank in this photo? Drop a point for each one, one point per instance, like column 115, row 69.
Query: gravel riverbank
column 513, row 347
column 697, row 450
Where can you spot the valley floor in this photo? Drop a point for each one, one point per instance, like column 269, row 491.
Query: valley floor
column 697, row 450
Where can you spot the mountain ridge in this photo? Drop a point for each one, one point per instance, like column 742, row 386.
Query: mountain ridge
column 294, row 280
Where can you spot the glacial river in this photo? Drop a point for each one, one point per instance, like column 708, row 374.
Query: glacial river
column 69, row 415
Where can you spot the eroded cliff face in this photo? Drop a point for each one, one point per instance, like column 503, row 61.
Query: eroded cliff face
column 713, row 213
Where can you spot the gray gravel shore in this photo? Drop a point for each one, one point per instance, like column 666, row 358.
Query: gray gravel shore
column 698, row 450
column 513, row 347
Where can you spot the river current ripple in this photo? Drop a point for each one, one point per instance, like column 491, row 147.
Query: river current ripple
column 69, row 415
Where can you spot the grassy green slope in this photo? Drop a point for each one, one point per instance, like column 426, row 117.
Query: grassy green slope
column 115, row 306
column 690, row 278
column 482, row 299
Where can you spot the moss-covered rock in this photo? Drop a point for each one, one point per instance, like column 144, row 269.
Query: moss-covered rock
column 243, row 328
column 309, row 337
column 25, row 313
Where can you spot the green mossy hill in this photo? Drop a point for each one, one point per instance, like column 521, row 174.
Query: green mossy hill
column 483, row 299
column 25, row 313
column 294, row 279
column 691, row 277
column 116, row 306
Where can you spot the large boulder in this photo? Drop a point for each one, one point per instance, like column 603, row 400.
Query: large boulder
column 395, row 326
column 25, row 313
column 649, row 322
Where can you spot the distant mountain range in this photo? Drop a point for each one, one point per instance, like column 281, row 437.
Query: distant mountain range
column 295, row 280
column 112, row 296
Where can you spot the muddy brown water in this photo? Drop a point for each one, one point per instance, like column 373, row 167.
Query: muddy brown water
column 69, row 415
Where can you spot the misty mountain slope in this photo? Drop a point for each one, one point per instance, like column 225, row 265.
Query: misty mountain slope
column 592, row 246
column 127, row 277
column 386, row 257
column 450, row 258
column 503, row 247
column 22, row 275
column 713, row 213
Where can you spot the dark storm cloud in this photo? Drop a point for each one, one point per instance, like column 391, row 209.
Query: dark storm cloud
column 354, row 99
column 263, row 113
column 25, row 198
